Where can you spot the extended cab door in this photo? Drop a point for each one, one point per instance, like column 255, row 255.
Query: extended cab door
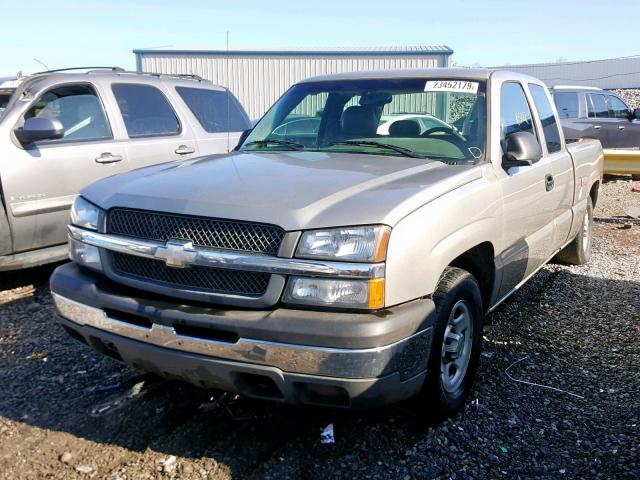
column 560, row 189
column 527, row 204
column 155, row 131
column 41, row 180
column 218, row 118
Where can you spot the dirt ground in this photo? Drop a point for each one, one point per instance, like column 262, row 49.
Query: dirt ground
column 69, row 413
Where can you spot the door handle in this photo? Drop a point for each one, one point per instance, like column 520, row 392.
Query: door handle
column 106, row 157
column 621, row 127
column 184, row 150
column 548, row 182
column 597, row 127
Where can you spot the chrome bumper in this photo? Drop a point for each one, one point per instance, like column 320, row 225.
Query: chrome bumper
column 404, row 355
column 209, row 257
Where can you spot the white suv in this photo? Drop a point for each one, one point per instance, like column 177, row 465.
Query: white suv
column 61, row 131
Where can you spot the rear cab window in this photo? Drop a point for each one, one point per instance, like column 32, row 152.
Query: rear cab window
column 547, row 118
column 145, row 110
column 567, row 104
column 216, row 110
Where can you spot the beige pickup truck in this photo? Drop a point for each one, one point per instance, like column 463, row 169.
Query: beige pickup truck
column 329, row 261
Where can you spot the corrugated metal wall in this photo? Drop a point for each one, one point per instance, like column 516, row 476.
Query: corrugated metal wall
column 608, row 74
column 258, row 80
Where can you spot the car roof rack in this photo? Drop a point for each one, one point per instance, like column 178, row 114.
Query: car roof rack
column 69, row 69
column 120, row 70
column 155, row 74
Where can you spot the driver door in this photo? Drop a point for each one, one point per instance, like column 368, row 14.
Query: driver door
column 528, row 206
column 41, row 180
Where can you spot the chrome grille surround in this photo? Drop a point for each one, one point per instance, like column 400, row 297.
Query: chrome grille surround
column 278, row 268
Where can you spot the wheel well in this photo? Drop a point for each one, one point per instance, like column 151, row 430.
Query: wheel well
column 593, row 193
column 479, row 262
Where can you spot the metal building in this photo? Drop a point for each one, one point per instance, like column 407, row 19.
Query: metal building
column 608, row 74
column 258, row 77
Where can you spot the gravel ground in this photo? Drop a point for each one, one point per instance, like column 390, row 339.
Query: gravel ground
column 66, row 412
column 629, row 95
column 616, row 198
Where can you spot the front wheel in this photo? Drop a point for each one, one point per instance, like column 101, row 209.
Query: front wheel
column 456, row 345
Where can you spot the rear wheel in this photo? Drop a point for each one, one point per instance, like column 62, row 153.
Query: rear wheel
column 457, row 339
column 578, row 251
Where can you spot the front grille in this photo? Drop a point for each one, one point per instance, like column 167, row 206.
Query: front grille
column 202, row 231
column 213, row 280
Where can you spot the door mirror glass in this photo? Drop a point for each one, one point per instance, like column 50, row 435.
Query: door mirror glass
column 522, row 149
column 636, row 114
column 39, row 128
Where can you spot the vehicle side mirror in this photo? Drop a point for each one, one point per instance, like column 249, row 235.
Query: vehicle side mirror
column 242, row 138
column 636, row 114
column 39, row 128
column 522, row 149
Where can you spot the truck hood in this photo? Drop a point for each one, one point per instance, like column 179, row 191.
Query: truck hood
column 295, row 190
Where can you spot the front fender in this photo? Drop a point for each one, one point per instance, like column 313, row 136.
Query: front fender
column 425, row 242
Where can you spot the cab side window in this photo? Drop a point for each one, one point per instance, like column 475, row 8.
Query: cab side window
column 145, row 111
column 216, row 110
column 597, row 106
column 515, row 114
column 547, row 118
column 618, row 108
column 79, row 110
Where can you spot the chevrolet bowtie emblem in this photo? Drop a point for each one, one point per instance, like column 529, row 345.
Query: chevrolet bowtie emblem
column 176, row 253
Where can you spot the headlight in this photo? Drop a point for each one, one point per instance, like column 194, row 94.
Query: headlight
column 86, row 255
column 355, row 244
column 365, row 294
column 85, row 214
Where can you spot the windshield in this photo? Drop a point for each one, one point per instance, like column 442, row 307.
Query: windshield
column 4, row 101
column 439, row 119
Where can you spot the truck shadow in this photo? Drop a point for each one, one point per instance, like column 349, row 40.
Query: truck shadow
column 36, row 276
column 53, row 383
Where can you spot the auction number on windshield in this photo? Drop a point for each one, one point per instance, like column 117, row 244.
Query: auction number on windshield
column 458, row 86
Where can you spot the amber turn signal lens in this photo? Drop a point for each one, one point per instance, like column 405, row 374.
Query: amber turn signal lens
column 376, row 293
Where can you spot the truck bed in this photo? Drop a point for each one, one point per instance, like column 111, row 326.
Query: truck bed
column 586, row 153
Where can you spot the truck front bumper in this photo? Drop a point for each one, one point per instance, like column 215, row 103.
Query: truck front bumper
column 298, row 356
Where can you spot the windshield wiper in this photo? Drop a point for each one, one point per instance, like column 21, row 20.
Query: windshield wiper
column 404, row 151
column 284, row 143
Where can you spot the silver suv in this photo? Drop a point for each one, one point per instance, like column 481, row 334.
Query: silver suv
column 61, row 131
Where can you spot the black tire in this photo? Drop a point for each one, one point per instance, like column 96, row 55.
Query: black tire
column 578, row 251
column 455, row 285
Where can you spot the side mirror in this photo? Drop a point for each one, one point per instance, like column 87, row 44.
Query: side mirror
column 636, row 114
column 39, row 128
column 522, row 149
column 242, row 138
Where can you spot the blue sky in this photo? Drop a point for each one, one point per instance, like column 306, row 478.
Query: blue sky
column 491, row 32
